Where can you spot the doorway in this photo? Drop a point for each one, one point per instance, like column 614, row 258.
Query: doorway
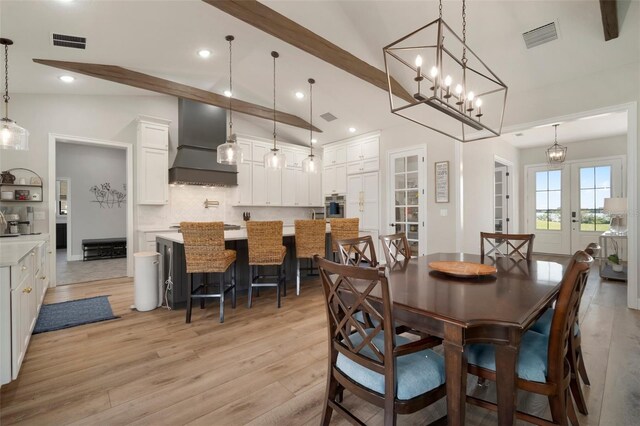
column 406, row 195
column 502, row 196
column 565, row 205
column 99, row 208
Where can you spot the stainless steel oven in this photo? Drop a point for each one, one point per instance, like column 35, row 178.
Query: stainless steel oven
column 334, row 206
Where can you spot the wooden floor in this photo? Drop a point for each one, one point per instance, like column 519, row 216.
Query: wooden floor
column 263, row 366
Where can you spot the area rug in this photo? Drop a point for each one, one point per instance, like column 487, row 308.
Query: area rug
column 57, row 316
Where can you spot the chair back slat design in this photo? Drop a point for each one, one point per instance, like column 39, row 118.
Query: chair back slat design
column 507, row 245
column 566, row 310
column 357, row 251
column 396, row 249
column 343, row 229
column 347, row 290
column 265, row 242
column 203, row 246
column 310, row 238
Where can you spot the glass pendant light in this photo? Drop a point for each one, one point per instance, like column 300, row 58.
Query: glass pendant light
column 12, row 136
column 230, row 152
column 311, row 164
column 556, row 153
column 274, row 159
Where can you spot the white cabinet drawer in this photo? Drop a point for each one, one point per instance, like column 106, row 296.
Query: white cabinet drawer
column 22, row 270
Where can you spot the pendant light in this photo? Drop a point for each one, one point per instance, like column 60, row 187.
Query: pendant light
column 556, row 153
column 274, row 159
column 230, row 152
column 311, row 164
column 12, row 136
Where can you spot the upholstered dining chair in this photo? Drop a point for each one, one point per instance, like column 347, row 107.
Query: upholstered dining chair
column 507, row 245
column 266, row 249
column 543, row 366
column 392, row 372
column 205, row 254
column 310, row 241
column 358, row 251
column 343, row 229
column 575, row 357
column 396, row 249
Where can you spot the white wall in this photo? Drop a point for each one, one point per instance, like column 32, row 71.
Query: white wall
column 441, row 230
column 87, row 166
column 478, row 165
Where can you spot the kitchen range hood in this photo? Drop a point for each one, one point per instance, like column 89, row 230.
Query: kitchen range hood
column 201, row 128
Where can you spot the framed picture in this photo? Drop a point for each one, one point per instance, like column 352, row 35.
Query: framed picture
column 442, row 181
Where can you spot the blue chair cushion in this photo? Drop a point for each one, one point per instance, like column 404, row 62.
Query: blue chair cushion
column 543, row 325
column 532, row 357
column 416, row 373
column 359, row 316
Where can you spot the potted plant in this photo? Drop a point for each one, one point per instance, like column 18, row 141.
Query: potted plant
column 614, row 259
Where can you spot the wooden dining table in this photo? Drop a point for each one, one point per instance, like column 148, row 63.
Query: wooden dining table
column 494, row 309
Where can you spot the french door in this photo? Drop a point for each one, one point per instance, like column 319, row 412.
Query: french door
column 565, row 205
column 406, row 197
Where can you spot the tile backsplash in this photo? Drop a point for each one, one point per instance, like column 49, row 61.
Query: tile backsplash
column 186, row 203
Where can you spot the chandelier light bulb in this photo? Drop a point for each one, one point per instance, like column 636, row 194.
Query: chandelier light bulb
column 6, row 135
column 478, row 102
column 434, row 71
column 448, row 80
column 458, row 89
column 418, row 61
column 471, row 96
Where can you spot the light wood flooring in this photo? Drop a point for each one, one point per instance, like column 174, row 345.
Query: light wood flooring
column 262, row 366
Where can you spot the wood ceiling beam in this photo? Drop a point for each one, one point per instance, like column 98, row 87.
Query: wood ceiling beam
column 268, row 20
column 609, row 12
column 140, row 80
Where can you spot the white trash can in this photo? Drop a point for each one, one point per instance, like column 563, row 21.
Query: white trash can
column 146, row 270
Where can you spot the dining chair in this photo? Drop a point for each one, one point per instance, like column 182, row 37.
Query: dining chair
column 543, row 366
column 342, row 229
column 205, row 254
column 575, row 356
column 507, row 245
column 389, row 371
column 358, row 251
column 310, row 240
column 264, row 239
column 396, row 249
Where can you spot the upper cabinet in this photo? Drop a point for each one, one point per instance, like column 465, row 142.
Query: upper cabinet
column 335, row 155
column 152, row 161
column 353, row 157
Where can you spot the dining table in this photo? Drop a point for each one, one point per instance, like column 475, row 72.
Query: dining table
column 495, row 309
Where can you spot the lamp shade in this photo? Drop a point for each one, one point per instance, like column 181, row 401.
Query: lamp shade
column 615, row 205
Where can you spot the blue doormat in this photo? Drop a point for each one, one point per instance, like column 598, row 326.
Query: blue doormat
column 57, row 316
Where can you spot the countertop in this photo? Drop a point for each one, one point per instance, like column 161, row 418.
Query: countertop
column 232, row 235
column 12, row 252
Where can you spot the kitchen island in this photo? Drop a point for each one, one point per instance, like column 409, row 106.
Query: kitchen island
column 172, row 261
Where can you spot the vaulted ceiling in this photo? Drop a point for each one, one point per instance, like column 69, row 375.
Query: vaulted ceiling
column 162, row 38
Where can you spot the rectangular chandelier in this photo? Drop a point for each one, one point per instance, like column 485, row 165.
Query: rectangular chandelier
column 433, row 67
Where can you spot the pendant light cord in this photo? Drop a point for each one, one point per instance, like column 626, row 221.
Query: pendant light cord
column 6, row 81
column 440, row 9
column 464, row 33
column 274, row 55
column 230, row 88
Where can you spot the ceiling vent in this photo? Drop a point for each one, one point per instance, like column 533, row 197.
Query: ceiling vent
column 540, row 35
column 73, row 42
column 328, row 116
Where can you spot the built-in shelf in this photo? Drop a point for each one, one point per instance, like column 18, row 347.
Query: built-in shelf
column 20, row 201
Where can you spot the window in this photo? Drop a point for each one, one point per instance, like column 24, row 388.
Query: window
column 548, row 200
column 407, row 203
column 595, row 186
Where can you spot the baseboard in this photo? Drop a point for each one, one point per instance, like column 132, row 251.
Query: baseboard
column 74, row 258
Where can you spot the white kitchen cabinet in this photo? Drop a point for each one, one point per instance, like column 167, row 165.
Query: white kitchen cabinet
column 259, row 150
column 266, row 185
column 364, row 149
column 301, row 188
column 363, row 166
column 335, row 180
column 244, row 191
column 247, row 154
column 363, row 200
column 335, row 155
column 315, row 190
column 153, row 176
column 152, row 161
column 289, row 186
column 341, row 179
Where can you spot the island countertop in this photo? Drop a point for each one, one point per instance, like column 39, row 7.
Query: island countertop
column 230, row 235
column 12, row 252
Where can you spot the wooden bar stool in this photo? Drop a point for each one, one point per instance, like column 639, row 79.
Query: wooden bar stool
column 205, row 253
column 343, row 229
column 310, row 241
column 266, row 249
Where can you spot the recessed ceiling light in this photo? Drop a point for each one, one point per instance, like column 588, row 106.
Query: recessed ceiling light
column 352, row 129
column 314, row 140
column 595, row 116
column 299, row 95
column 227, row 93
column 204, row 53
column 519, row 134
column 67, row 78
